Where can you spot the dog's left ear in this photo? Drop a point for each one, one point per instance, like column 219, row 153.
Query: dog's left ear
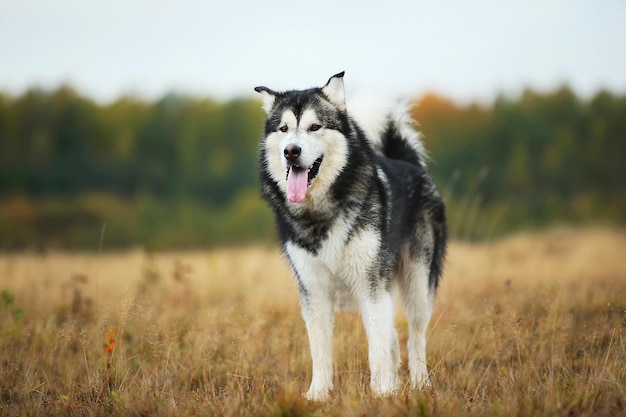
column 268, row 96
column 335, row 92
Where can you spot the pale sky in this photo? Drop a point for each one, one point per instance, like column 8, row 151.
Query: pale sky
column 465, row 50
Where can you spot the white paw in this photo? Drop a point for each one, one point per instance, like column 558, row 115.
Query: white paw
column 317, row 394
column 385, row 392
column 385, row 387
column 419, row 375
column 420, row 382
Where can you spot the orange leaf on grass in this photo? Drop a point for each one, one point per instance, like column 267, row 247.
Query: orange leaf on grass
column 108, row 348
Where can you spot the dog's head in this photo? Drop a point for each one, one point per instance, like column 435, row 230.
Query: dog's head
column 305, row 146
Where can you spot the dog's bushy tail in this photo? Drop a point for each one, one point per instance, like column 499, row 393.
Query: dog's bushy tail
column 389, row 128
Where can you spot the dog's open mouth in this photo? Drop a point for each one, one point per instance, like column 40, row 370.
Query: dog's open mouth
column 299, row 179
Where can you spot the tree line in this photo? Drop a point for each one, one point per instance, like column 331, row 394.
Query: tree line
column 529, row 161
column 181, row 171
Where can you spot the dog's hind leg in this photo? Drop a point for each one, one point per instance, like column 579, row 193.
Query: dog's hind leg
column 418, row 302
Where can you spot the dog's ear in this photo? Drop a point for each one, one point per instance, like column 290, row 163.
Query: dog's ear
column 335, row 92
column 268, row 96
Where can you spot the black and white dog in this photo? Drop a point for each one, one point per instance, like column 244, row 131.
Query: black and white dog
column 354, row 207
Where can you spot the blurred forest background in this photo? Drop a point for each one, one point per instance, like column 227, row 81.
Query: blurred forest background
column 180, row 172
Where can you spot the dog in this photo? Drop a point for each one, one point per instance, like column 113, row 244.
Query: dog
column 354, row 207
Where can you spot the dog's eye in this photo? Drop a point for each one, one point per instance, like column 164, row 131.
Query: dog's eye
column 315, row 127
column 283, row 129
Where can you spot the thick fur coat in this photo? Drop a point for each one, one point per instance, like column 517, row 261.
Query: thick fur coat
column 354, row 207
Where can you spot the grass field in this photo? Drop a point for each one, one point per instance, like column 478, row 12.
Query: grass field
column 532, row 325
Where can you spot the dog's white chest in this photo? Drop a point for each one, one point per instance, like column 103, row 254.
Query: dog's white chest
column 344, row 260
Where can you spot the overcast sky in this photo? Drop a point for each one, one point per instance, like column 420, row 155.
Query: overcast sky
column 466, row 50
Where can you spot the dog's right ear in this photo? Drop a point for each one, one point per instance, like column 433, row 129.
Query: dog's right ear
column 268, row 96
column 335, row 92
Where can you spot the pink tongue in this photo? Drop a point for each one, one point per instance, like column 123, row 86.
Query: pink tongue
column 297, row 182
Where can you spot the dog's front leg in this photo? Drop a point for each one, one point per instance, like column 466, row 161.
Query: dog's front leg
column 318, row 313
column 378, row 320
column 319, row 316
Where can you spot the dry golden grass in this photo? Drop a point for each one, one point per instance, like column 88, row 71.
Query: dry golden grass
column 531, row 325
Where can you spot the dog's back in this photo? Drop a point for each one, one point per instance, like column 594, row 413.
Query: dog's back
column 391, row 131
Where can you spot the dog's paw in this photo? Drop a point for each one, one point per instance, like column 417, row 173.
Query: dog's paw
column 422, row 382
column 385, row 393
column 317, row 394
column 384, row 388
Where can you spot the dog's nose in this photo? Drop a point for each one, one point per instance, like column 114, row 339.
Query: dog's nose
column 292, row 152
